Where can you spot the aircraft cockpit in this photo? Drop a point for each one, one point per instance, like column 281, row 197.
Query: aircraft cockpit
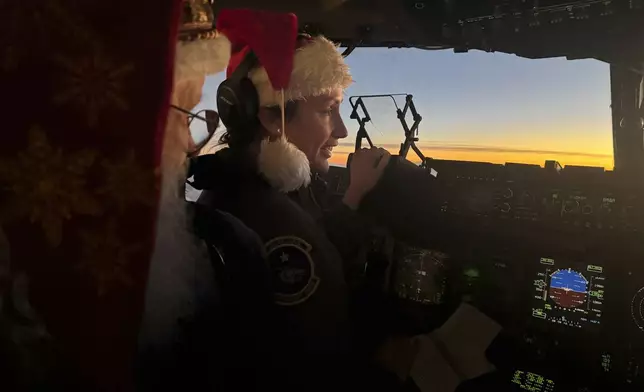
column 548, row 253
column 501, row 273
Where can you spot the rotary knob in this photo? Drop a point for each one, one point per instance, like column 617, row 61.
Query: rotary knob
column 508, row 193
column 527, row 199
column 505, row 207
column 571, row 206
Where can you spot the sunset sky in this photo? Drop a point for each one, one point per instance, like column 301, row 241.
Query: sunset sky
column 479, row 106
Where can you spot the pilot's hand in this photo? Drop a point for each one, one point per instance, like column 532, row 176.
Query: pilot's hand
column 367, row 166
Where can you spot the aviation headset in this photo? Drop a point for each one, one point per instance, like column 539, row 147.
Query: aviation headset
column 237, row 99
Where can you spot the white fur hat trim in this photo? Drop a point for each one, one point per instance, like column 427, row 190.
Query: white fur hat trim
column 318, row 68
column 199, row 58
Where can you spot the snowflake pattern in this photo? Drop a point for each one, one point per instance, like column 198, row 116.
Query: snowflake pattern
column 41, row 23
column 128, row 183
column 47, row 185
column 93, row 83
column 81, row 77
column 106, row 257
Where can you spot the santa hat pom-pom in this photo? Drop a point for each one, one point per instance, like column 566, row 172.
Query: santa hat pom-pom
column 284, row 165
column 202, row 57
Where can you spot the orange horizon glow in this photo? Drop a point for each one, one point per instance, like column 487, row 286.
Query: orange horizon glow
column 493, row 155
column 586, row 142
column 477, row 153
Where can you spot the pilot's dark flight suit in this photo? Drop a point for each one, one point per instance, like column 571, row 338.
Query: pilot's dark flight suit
column 312, row 326
column 200, row 321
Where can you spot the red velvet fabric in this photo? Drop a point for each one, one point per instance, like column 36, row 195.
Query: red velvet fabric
column 271, row 36
column 86, row 87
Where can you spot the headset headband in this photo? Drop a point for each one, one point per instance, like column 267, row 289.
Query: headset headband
column 243, row 69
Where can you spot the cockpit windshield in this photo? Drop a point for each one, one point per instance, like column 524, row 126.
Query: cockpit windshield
column 487, row 107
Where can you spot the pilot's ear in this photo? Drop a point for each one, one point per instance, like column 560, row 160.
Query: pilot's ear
column 270, row 122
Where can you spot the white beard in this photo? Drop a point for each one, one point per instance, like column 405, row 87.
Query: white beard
column 173, row 273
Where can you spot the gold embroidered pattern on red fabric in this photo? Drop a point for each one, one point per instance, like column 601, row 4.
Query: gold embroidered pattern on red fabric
column 106, row 256
column 127, row 183
column 92, row 83
column 47, row 185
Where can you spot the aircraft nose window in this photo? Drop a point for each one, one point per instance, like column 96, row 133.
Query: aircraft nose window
column 523, row 217
column 484, row 107
column 201, row 131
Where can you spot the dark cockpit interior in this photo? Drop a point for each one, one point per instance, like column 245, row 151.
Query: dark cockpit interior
column 552, row 254
column 509, row 276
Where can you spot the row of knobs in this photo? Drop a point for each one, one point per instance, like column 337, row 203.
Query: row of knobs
column 573, row 206
column 568, row 207
column 526, row 200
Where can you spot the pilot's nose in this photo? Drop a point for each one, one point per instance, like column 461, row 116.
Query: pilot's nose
column 339, row 129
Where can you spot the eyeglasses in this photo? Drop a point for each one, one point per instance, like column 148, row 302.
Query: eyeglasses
column 200, row 137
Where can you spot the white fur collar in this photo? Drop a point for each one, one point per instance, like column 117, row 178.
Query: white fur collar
column 283, row 165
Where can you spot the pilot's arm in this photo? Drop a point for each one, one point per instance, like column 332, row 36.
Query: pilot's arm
column 345, row 227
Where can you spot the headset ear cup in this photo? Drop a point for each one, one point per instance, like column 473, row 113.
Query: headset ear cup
column 228, row 104
column 237, row 103
column 250, row 104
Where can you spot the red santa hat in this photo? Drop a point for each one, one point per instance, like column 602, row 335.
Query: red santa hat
column 201, row 50
column 301, row 67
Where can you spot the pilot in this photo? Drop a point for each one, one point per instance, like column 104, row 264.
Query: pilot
column 281, row 107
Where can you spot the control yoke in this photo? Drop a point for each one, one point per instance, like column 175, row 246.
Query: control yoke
column 411, row 133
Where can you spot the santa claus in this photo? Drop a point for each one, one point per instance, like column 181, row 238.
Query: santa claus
column 179, row 269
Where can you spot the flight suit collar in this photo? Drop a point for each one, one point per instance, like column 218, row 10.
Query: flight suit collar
column 227, row 167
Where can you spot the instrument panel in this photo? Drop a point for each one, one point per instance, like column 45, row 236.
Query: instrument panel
column 575, row 321
column 568, row 200
column 565, row 207
column 420, row 275
column 569, row 294
column 529, row 381
column 554, row 256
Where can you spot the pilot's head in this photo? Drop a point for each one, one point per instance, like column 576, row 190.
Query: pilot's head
column 282, row 97
column 175, row 248
column 312, row 101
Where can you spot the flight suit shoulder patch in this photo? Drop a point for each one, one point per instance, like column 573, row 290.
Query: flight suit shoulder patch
column 292, row 270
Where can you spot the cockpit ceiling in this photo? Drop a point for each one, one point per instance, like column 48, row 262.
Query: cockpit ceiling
column 608, row 30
